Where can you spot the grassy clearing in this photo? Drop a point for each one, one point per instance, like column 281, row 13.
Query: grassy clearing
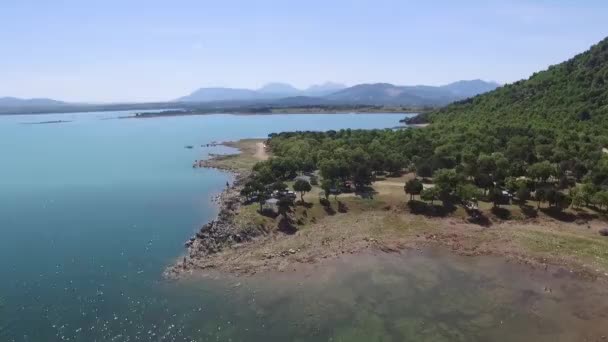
column 384, row 220
column 251, row 152
column 584, row 248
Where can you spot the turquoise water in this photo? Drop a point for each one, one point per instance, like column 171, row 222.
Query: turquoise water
column 92, row 210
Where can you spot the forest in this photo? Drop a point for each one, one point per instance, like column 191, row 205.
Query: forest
column 544, row 138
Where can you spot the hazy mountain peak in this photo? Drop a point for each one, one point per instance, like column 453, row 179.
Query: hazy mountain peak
column 468, row 88
column 325, row 87
column 367, row 93
column 278, row 88
column 17, row 102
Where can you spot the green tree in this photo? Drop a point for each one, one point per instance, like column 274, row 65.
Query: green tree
column 447, row 181
column 362, row 176
column 254, row 188
column 329, row 169
column 394, row 163
column 541, row 196
column 523, row 193
column 601, row 199
column 430, row 194
column 496, row 196
column 484, row 181
column 468, row 193
column 588, row 191
column 562, row 201
column 278, row 186
column 302, row 186
column 577, row 197
column 250, row 188
column 512, row 184
column 413, row 187
column 327, row 185
column 284, row 206
column 541, row 171
column 262, row 197
column 501, row 170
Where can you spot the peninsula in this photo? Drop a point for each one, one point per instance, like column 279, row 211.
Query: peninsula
column 489, row 175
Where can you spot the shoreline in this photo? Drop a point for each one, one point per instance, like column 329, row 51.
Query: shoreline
column 287, row 112
column 234, row 243
column 216, row 234
column 220, row 232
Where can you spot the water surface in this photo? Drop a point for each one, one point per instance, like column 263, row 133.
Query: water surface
column 92, row 210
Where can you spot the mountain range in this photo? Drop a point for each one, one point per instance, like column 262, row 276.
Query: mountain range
column 269, row 91
column 369, row 94
column 280, row 94
column 16, row 102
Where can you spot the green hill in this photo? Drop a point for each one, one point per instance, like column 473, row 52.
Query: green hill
column 573, row 93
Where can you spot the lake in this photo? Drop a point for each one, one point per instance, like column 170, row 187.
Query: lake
column 92, row 210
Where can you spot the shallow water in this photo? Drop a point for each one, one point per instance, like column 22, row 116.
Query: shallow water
column 429, row 295
column 92, row 210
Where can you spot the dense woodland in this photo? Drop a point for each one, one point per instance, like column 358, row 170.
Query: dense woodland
column 542, row 139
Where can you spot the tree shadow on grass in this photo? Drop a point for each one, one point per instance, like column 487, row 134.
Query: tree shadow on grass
column 431, row 210
column 528, row 211
column 342, row 207
column 329, row 210
column 501, row 213
column 478, row 218
column 268, row 213
column 327, row 206
column 559, row 215
column 286, row 225
column 584, row 215
column 366, row 192
column 304, row 204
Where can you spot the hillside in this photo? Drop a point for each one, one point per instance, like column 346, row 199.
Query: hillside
column 574, row 92
column 378, row 93
column 420, row 95
column 334, row 93
column 14, row 102
column 268, row 91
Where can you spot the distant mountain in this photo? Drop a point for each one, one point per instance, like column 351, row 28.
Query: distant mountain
column 324, row 89
column 279, row 89
column 368, row 94
column 269, row 91
column 219, row 94
column 13, row 102
column 375, row 94
column 470, row 88
column 389, row 94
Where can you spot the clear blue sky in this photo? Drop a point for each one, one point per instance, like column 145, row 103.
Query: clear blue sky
column 135, row 50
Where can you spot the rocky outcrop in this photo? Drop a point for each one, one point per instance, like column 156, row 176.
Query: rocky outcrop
column 218, row 234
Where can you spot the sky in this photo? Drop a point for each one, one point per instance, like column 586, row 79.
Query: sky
column 153, row 50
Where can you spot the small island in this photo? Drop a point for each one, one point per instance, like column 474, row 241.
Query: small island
column 46, row 122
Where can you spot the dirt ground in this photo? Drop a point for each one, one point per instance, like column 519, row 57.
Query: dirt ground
column 384, row 221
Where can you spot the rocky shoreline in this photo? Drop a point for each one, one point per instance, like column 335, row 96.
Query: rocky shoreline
column 215, row 235
column 240, row 245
